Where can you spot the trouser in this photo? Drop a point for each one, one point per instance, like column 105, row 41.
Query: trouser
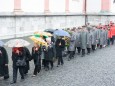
column 88, row 50
column 79, row 49
column 101, row 46
column 4, row 71
column 83, row 52
column 71, row 54
column 43, row 62
column 60, row 60
column 108, row 41
column 93, row 47
column 15, row 71
column 49, row 62
column 112, row 40
column 37, row 69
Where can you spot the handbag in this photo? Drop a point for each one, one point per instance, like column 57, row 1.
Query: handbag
column 21, row 62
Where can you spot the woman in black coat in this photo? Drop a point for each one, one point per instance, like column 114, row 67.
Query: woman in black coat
column 18, row 58
column 49, row 55
column 36, row 52
column 4, row 71
column 59, row 45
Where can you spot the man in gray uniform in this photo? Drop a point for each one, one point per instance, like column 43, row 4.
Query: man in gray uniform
column 83, row 39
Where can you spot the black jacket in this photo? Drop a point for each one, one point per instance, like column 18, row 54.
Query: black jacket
column 3, row 56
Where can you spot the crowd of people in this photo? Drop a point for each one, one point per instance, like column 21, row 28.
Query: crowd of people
column 85, row 39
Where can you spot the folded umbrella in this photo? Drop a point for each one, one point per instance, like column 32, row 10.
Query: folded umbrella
column 17, row 43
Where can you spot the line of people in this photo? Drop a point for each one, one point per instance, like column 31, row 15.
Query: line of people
column 85, row 38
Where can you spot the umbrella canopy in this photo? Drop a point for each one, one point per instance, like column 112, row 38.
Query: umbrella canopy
column 38, row 40
column 1, row 43
column 17, row 43
column 61, row 33
column 42, row 34
column 49, row 30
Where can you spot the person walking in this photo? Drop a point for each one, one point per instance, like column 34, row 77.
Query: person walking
column 4, row 70
column 36, row 52
column 19, row 62
column 59, row 45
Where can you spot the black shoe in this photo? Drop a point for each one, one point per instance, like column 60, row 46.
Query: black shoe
column 13, row 82
column 82, row 55
column 22, row 77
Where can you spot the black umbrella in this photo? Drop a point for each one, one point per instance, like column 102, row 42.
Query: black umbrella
column 49, row 30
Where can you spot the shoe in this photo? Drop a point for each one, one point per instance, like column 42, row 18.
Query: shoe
column 13, row 82
column 57, row 65
column 33, row 75
column 22, row 77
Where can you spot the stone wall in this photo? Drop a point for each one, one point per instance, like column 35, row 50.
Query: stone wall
column 12, row 26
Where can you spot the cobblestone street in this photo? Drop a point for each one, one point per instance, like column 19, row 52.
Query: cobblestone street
column 96, row 69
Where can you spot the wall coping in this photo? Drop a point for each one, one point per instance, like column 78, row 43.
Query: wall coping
column 29, row 14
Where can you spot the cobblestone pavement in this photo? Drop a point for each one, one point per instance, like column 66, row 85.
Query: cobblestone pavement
column 96, row 69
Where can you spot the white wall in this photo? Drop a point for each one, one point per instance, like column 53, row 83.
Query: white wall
column 93, row 6
column 6, row 5
column 57, row 6
column 76, row 6
column 32, row 5
column 112, row 7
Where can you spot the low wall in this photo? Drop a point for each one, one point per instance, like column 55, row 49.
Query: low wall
column 12, row 26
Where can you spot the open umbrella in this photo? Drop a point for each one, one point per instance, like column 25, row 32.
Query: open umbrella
column 42, row 34
column 17, row 43
column 49, row 30
column 38, row 40
column 1, row 43
column 61, row 33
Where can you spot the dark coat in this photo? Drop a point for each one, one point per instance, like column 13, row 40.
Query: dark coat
column 4, row 71
column 59, row 48
column 16, row 57
column 3, row 56
column 36, row 56
column 49, row 53
column 27, row 57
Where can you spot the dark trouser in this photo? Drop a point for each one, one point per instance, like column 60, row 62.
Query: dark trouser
column 15, row 71
column 101, row 46
column 60, row 60
column 37, row 69
column 108, row 41
column 26, row 68
column 43, row 62
column 112, row 40
column 93, row 47
column 49, row 62
column 71, row 54
column 79, row 49
column 88, row 50
column 83, row 52
column 4, row 71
